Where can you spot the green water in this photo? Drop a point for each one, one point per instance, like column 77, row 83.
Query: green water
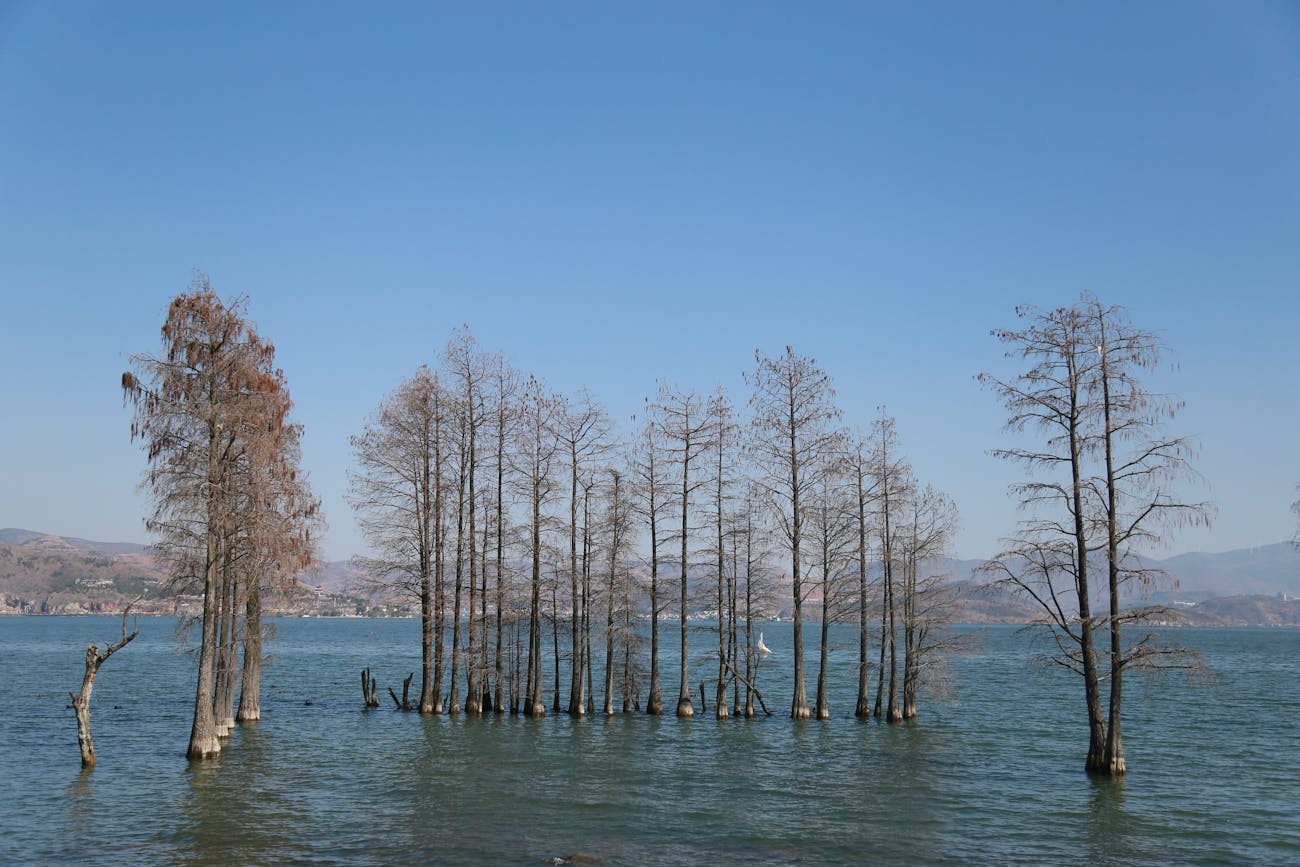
column 992, row 775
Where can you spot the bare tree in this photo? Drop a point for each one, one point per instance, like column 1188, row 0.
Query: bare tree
column 583, row 429
column 397, row 493
column 892, row 481
column 859, row 467
column 830, row 525
column 1133, row 495
column 505, row 414
column 535, row 456
column 749, row 540
column 467, row 371
column 928, row 526
column 648, row 466
column 686, row 429
column 724, row 441
column 81, row 700
column 1049, row 558
column 793, row 441
column 617, row 526
column 1104, row 433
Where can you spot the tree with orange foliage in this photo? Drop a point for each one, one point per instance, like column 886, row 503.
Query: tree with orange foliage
column 230, row 507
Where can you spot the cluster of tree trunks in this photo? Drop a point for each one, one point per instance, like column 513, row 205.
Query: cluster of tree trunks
column 233, row 515
column 513, row 515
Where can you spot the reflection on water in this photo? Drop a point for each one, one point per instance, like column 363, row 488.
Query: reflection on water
column 995, row 776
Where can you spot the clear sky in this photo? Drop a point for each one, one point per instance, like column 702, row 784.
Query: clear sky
column 615, row 193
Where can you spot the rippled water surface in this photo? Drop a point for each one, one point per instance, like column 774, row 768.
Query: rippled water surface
column 992, row 774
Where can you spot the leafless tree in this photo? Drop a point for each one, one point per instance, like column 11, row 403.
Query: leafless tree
column 892, row 480
column 504, row 389
column 583, row 430
column 397, row 493
column 792, row 444
column 686, row 432
column 831, row 532
column 616, row 523
column 536, row 454
column 1133, row 496
column 1049, row 559
column 81, row 700
column 929, row 522
column 1100, row 488
column 647, row 465
column 724, row 441
column 864, row 485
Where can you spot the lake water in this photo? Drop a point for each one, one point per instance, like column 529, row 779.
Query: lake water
column 993, row 775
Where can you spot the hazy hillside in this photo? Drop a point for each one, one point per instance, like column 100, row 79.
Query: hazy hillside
column 30, row 539
column 43, row 572
column 1268, row 569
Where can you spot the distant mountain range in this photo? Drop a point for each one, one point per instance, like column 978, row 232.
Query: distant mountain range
column 47, row 572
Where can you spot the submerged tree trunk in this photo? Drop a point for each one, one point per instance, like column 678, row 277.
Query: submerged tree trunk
column 204, row 742
column 823, row 710
column 654, row 704
column 81, row 701
column 250, row 683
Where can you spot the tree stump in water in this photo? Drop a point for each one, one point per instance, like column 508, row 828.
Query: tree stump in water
column 405, row 702
column 368, row 687
column 81, row 703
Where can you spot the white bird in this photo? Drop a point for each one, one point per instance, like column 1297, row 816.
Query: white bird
column 763, row 648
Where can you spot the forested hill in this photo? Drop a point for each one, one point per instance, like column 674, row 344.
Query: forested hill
column 47, row 572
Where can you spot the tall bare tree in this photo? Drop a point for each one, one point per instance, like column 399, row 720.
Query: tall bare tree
column 1103, row 428
column 583, row 430
column 1134, row 496
column 724, row 441
column 929, row 522
column 617, row 526
column 397, row 493
column 467, row 371
column 863, row 482
column 1049, row 558
column 504, row 390
column 535, row 456
column 648, row 466
column 793, row 442
column 687, row 430
column 892, row 481
column 831, row 526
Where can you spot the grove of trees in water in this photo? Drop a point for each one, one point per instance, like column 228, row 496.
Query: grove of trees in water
column 539, row 539
column 540, row 543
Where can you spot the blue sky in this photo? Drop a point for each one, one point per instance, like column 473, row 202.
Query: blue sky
column 614, row 194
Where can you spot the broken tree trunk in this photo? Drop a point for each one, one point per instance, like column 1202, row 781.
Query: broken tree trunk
column 405, row 702
column 81, row 703
column 368, row 687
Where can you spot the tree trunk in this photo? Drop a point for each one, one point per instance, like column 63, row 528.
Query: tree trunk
column 654, row 704
column 823, row 710
column 799, row 700
column 863, row 709
column 1114, row 758
column 81, row 701
column 684, row 707
column 204, row 742
column 577, row 700
column 250, row 683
